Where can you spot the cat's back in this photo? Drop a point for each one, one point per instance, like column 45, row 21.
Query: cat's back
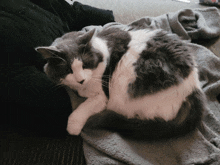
column 155, row 74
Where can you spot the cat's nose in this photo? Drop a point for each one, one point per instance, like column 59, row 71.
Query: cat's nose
column 81, row 82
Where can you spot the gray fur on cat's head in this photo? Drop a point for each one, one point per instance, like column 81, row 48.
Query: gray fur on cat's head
column 72, row 60
column 64, row 50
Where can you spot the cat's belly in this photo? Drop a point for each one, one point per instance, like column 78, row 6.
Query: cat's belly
column 164, row 104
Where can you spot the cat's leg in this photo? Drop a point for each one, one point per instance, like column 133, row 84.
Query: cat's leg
column 80, row 115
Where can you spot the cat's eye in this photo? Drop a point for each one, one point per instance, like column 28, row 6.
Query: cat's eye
column 88, row 65
column 91, row 60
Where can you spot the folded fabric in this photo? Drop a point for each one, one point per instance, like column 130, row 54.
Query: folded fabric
column 199, row 147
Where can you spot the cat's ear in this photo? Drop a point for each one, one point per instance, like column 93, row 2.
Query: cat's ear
column 86, row 38
column 48, row 52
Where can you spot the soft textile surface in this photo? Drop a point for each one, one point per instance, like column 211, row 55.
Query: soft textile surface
column 27, row 95
column 19, row 146
column 31, row 105
column 199, row 147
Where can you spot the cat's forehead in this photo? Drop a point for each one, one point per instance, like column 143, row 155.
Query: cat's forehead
column 76, row 64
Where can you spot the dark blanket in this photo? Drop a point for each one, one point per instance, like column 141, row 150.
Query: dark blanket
column 27, row 96
column 201, row 147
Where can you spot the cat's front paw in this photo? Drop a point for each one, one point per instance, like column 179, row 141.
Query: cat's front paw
column 74, row 128
column 76, row 122
column 79, row 116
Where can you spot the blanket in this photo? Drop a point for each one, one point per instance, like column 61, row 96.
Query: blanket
column 199, row 147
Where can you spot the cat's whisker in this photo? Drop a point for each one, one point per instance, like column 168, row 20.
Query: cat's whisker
column 105, row 86
column 100, row 80
column 104, row 83
column 107, row 76
column 98, row 76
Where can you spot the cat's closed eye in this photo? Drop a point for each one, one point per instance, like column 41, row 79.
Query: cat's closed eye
column 88, row 65
column 91, row 59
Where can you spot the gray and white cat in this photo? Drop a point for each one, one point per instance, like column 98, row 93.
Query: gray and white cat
column 141, row 83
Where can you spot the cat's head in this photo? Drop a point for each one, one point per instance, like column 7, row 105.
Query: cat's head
column 75, row 61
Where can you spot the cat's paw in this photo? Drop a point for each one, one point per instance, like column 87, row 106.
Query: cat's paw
column 78, row 118
column 74, row 128
column 76, row 122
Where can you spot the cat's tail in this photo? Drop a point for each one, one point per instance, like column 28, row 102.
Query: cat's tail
column 187, row 119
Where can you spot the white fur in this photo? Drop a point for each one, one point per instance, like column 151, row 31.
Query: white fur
column 164, row 104
column 139, row 39
column 101, row 45
column 124, row 73
column 91, row 88
column 79, row 116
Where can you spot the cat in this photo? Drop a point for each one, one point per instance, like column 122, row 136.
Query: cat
column 141, row 83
